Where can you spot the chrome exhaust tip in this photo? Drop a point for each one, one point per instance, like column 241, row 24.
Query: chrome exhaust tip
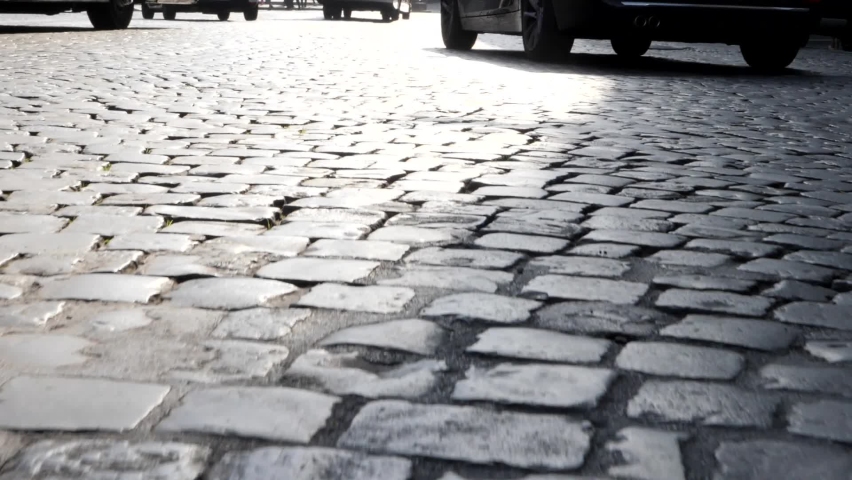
column 654, row 22
column 640, row 21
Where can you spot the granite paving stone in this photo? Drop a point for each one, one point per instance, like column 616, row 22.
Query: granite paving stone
column 409, row 335
column 10, row 443
column 543, row 345
column 316, row 463
column 754, row 334
column 112, row 225
column 360, row 299
column 44, row 403
column 551, row 442
column 483, row 307
column 260, row 323
column 48, row 244
column 271, row 413
column 601, row 317
column 22, row 223
column 418, row 236
column 781, row 460
column 733, row 247
column 349, row 374
column 702, row 403
column 713, row 301
column 825, row 419
column 795, row 290
column 450, row 278
column 522, row 243
column 581, row 266
column 604, row 250
column 560, row 386
column 788, row 269
column 490, row 259
column 106, row 287
column 318, row 270
column 642, row 239
column 151, row 242
column 830, row 351
column 228, row 293
column 121, row 460
column 648, row 454
column 277, row 245
column 580, row 288
column 678, row 360
column 807, row 378
column 704, row 282
column 815, row 314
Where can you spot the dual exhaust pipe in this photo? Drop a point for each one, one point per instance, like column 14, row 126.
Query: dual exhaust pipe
column 647, row 22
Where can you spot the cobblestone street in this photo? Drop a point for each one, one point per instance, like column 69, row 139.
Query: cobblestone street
column 297, row 249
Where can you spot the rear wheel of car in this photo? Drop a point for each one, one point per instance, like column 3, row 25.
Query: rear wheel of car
column 114, row 15
column 347, row 13
column 326, row 11
column 406, row 15
column 331, row 11
column 630, row 47
column 542, row 40
column 768, row 55
column 250, row 12
column 387, row 16
column 169, row 14
column 224, row 16
column 147, row 13
column 455, row 38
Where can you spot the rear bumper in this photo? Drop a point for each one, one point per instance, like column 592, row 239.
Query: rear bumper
column 691, row 21
column 203, row 6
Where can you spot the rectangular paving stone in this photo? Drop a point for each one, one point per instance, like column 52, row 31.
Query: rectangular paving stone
column 535, row 344
column 702, row 403
column 315, row 463
column 781, row 460
column 550, row 442
column 146, row 199
column 644, row 239
column 362, row 299
column 807, row 378
column 788, row 269
column 590, row 289
column 816, row 315
column 737, row 248
column 366, row 250
column 48, row 243
column 825, row 419
column 417, row 236
column 450, row 278
column 106, row 288
column 331, row 230
column 151, row 242
column 111, row 225
column 712, row 301
column 584, row 266
column 523, row 243
column 270, row 413
column 76, row 404
column 677, row 360
column 103, row 458
column 688, row 258
column 754, row 334
column 750, row 214
column 482, row 306
column 278, row 245
column 490, row 259
column 228, row 293
column 318, row 270
column 600, row 199
column 215, row 229
column 673, row 206
column 648, row 454
column 234, row 214
column 24, row 223
column 560, row 386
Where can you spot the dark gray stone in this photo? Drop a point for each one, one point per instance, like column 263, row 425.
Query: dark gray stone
column 595, row 317
column 712, row 301
column 522, row 243
column 793, row 290
column 648, row 454
column 593, row 267
column 605, row 250
column 754, row 334
column 816, row 315
column 788, row 269
column 643, row 239
column 683, row 361
column 411, row 335
column 779, row 460
column 591, row 289
column 826, row 419
column 810, row 379
column 491, row 259
column 689, row 259
column 702, row 282
column 736, row 248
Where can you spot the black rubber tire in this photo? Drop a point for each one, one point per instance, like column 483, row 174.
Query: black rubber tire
column 250, row 12
column 224, row 16
column 846, row 37
column 630, row 47
column 455, row 37
column 115, row 15
column 386, row 16
column 169, row 14
column 347, row 14
column 406, row 15
column 147, row 13
column 541, row 37
column 327, row 12
column 769, row 56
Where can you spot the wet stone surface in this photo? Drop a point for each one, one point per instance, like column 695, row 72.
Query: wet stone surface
column 361, row 257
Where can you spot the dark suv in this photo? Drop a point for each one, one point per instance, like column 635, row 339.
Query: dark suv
column 837, row 21
column 769, row 32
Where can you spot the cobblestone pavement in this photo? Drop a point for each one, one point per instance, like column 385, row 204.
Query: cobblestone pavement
column 297, row 249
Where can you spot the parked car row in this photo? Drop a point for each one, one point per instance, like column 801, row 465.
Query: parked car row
column 768, row 32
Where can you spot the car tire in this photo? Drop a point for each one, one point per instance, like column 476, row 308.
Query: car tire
column 630, row 47
column 327, row 12
column 224, row 16
column 406, row 15
column 542, row 40
column 147, row 13
column 769, row 56
column 250, row 12
column 455, row 37
column 347, row 14
column 114, row 15
column 169, row 14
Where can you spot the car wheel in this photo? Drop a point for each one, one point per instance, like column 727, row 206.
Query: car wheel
column 630, row 47
column 327, row 12
column 147, row 13
column 169, row 14
column 769, row 56
column 542, row 40
column 347, row 13
column 406, row 15
column 455, row 38
column 250, row 12
column 115, row 15
column 224, row 16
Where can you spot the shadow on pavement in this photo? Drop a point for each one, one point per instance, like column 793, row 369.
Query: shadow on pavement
column 596, row 64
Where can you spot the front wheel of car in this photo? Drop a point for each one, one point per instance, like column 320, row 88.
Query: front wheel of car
column 113, row 15
column 542, row 40
column 630, row 48
column 406, row 15
column 250, row 13
column 169, row 14
column 455, row 37
column 347, row 13
column 224, row 16
column 768, row 56
column 147, row 13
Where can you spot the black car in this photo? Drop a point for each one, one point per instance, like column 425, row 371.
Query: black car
column 220, row 8
column 104, row 14
column 837, row 21
column 769, row 32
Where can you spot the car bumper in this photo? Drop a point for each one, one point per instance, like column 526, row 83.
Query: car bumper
column 690, row 21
